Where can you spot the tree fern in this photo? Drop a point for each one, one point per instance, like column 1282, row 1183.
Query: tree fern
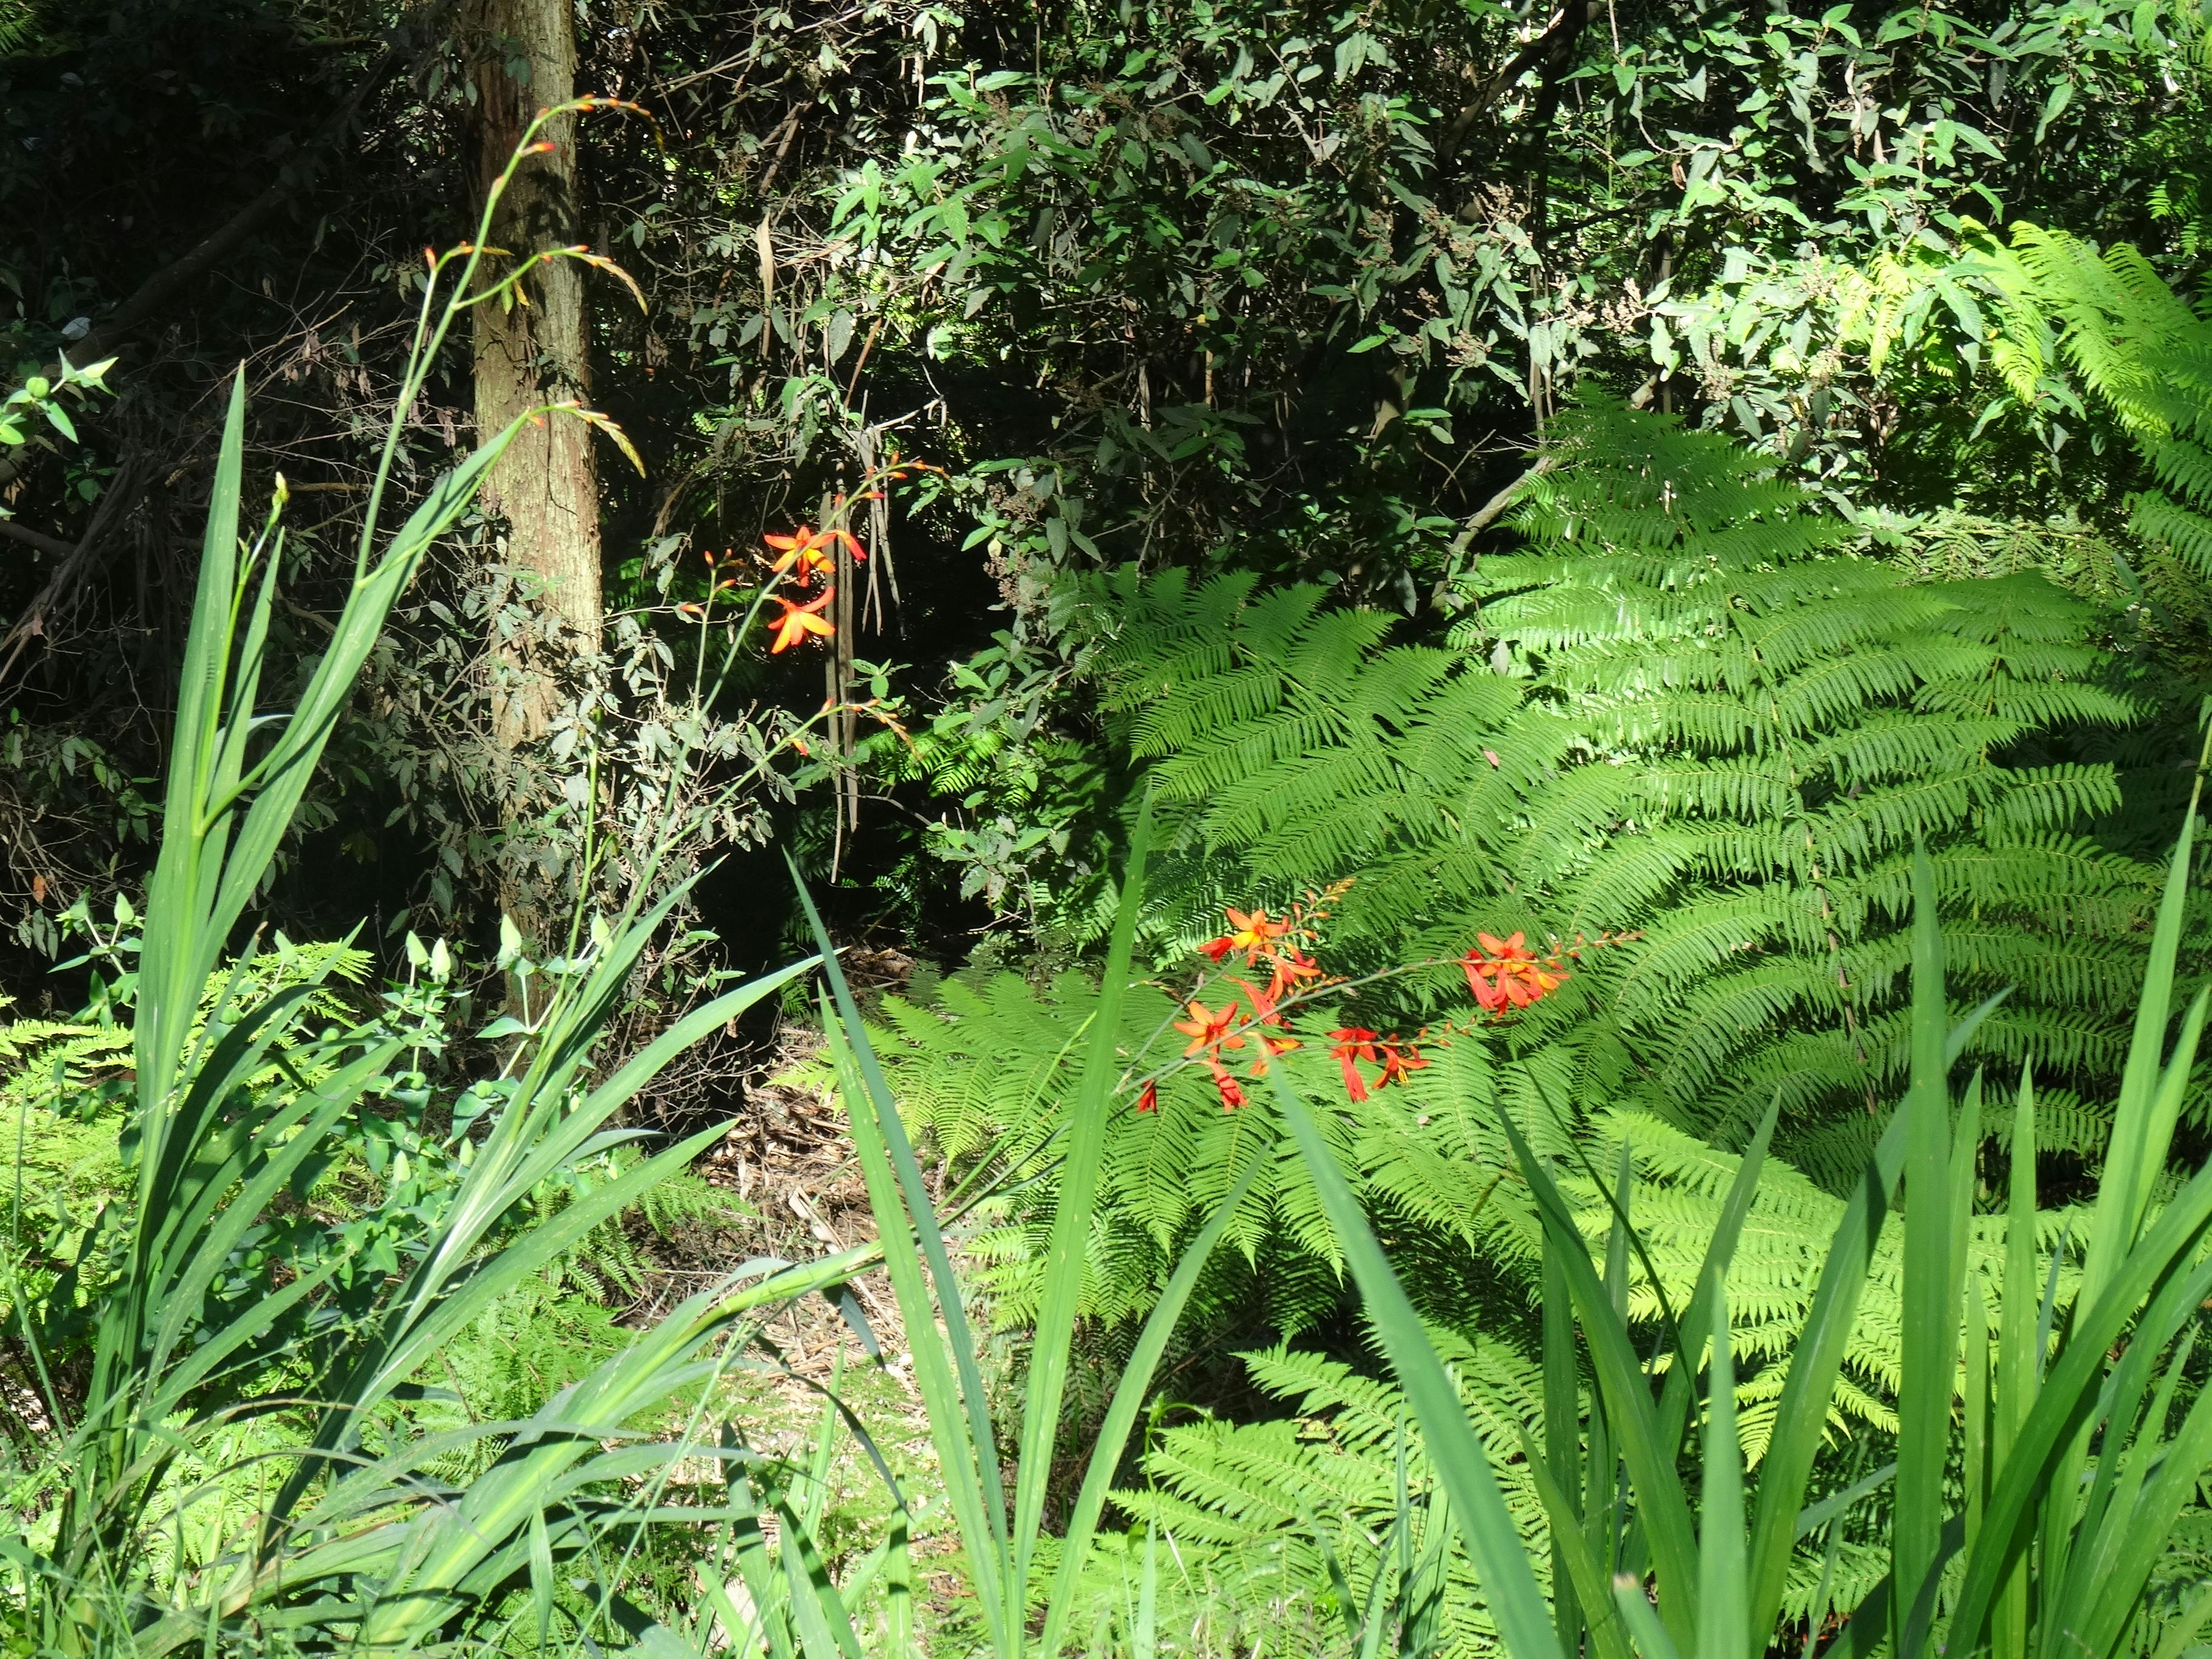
column 1687, row 703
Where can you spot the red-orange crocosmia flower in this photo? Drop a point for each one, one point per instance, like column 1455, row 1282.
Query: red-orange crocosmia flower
column 1398, row 1059
column 1272, row 1046
column 1505, row 974
column 1232, row 1097
column 1209, row 1034
column 798, row 621
column 802, row 555
column 1291, row 967
column 1350, row 1043
column 1254, row 934
column 1207, row 1029
column 1262, row 1002
column 1149, row 1101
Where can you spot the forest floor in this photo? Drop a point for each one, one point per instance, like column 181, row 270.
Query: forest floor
column 790, row 1160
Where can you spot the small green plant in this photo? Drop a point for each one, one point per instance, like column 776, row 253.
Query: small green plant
column 40, row 396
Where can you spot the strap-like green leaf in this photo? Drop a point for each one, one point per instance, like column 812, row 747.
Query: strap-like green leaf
column 1122, row 1412
column 1075, row 1207
column 1493, row 1542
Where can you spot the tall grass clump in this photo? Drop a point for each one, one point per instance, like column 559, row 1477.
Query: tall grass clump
column 235, row 1454
column 2039, row 1468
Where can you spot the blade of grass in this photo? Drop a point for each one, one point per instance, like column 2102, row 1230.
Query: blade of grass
column 1575, row 1561
column 1493, row 1542
column 1974, row 1408
column 1801, row 1423
column 2018, row 1369
column 1830, row 1515
column 172, row 941
column 1073, row 1211
column 1662, row 1507
column 649, row 1062
column 959, row 1337
column 961, row 1463
column 1563, row 1446
column 1122, row 1412
column 1145, row 1641
column 2148, row 1095
column 2127, row 1175
column 1722, row 1572
column 2142, row 1523
column 1928, row 1352
column 765, row 1585
column 1643, row 1622
column 2069, row 1392
column 1675, row 1395
column 825, row 1628
column 1813, row 1517
column 1603, row 1493
column 898, row 1588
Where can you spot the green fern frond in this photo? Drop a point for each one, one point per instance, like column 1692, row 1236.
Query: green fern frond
column 1726, row 706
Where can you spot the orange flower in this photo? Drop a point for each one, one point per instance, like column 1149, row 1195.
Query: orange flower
column 1207, row 1029
column 1291, row 967
column 1272, row 1046
column 1398, row 1059
column 1255, row 935
column 802, row 554
column 1149, row 1101
column 1263, row 1002
column 1232, row 1097
column 1508, row 974
column 1211, row 1033
column 798, row 621
column 1346, row 1045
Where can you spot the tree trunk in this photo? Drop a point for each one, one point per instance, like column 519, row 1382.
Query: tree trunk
column 545, row 488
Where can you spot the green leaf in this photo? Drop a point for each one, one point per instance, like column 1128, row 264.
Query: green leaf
column 1493, row 1543
column 1129, row 1400
column 1930, row 1345
column 1077, row 1206
column 2054, row 106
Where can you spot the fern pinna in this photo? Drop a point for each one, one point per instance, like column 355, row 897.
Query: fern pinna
column 1685, row 705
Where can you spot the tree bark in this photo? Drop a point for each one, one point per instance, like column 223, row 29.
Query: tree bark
column 546, row 486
